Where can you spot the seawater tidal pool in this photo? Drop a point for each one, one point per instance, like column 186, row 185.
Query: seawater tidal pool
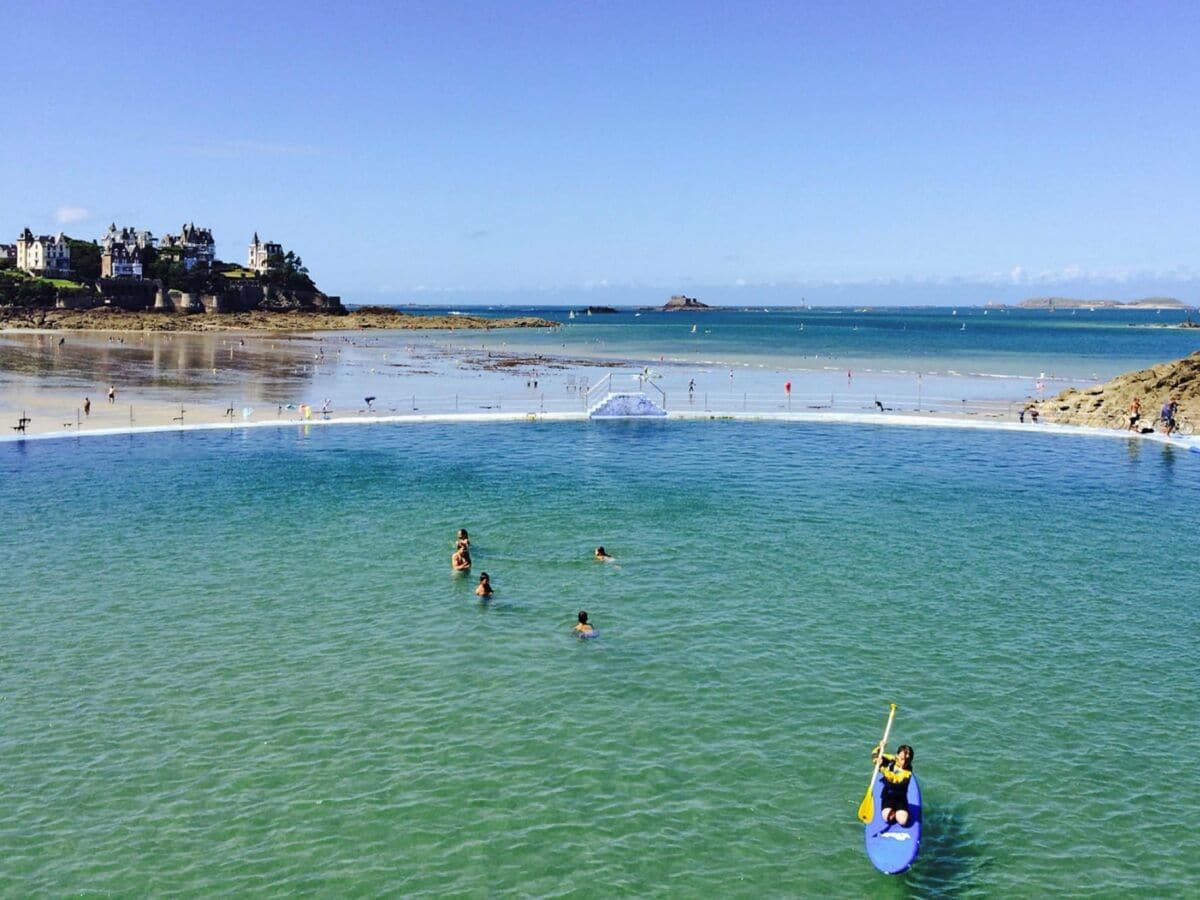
column 237, row 662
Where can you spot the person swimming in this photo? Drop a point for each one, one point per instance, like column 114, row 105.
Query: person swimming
column 461, row 560
column 602, row 555
column 462, row 539
column 584, row 627
column 896, row 770
column 484, row 588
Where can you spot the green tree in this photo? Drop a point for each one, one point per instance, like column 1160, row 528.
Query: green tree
column 85, row 259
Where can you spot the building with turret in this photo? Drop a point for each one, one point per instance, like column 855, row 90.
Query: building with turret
column 263, row 255
column 131, row 238
column 195, row 245
column 120, row 261
column 45, row 254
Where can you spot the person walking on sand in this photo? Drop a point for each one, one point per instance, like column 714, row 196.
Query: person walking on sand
column 1135, row 413
column 484, row 588
column 112, row 393
column 87, row 406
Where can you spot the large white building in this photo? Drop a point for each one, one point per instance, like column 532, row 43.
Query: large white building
column 263, row 254
column 195, row 245
column 43, row 255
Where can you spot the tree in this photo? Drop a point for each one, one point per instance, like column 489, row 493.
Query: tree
column 85, row 259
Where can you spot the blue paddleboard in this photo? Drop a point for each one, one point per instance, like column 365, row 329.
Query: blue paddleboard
column 890, row 847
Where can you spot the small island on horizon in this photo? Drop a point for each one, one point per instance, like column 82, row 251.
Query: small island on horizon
column 1075, row 303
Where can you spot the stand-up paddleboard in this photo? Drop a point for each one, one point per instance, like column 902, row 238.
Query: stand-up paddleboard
column 891, row 847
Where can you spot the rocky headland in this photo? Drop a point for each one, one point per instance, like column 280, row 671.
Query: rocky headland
column 108, row 318
column 1098, row 406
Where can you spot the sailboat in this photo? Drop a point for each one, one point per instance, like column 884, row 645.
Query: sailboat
column 693, row 329
column 571, row 314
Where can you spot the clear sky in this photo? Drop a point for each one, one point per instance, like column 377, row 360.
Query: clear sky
column 739, row 152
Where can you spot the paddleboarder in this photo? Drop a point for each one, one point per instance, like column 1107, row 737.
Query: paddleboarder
column 896, row 770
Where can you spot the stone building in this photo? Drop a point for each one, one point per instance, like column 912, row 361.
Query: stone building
column 131, row 238
column 195, row 245
column 263, row 255
column 43, row 255
column 120, row 261
column 8, row 254
column 120, row 252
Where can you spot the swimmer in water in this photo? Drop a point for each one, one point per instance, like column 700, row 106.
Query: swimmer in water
column 584, row 628
column 463, row 540
column 461, row 560
column 602, row 555
column 484, row 588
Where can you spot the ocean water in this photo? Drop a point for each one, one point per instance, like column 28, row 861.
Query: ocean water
column 237, row 663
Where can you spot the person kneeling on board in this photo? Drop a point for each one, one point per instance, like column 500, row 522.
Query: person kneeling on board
column 896, row 769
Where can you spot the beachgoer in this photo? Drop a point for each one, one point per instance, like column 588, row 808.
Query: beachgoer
column 462, row 539
column 460, row 561
column 1169, row 409
column 61, row 341
column 691, row 386
column 1135, row 413
column 584, row 626
column 602, row 555
column 87, row 406
column 787, row 388
column 112, row 393
column 896, row 771
column 484, row 588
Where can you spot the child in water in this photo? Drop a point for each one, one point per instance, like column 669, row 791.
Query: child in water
column 896, row 771
column 584, row 628
column 484, row 588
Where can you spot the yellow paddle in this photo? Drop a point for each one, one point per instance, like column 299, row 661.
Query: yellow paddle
column 866, row 809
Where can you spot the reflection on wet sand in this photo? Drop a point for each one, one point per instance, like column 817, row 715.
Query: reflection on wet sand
column 273, row 369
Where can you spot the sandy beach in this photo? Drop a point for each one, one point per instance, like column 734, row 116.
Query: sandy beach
column 57, row 383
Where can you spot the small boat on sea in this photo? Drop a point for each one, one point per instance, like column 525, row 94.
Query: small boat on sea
column 891, row 847
column 693, row 329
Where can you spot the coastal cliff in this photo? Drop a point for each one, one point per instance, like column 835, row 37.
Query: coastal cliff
column 1098, row 406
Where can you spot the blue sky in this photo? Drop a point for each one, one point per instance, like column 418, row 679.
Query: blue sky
column 621, row 152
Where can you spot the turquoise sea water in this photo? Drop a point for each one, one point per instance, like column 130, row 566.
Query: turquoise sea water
column 236, row 663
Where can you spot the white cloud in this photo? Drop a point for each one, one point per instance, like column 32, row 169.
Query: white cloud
column 67, row 215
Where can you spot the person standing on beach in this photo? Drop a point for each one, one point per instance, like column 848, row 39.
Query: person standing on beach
column 112, row 393
column 1135, row 413
column 87, row 406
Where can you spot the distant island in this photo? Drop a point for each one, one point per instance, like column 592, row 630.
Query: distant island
column 1071, row 303
column 681, row 302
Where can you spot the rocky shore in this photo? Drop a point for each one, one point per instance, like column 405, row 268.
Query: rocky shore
column 1098, row 406
column 113, row 319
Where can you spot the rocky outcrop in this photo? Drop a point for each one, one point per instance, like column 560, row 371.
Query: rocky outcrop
column 192, row 318
column 681, row 302
column 1098, row 406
